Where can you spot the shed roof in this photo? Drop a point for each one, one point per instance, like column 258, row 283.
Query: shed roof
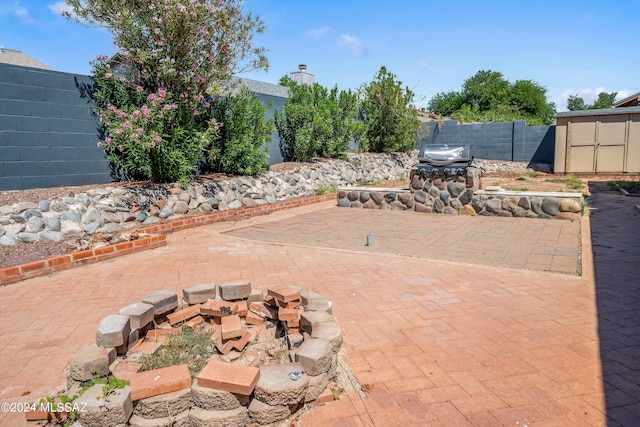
column 16, row 57
column 600, row 112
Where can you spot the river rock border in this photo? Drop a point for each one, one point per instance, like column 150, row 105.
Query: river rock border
column 236, row 387
column 454, row 196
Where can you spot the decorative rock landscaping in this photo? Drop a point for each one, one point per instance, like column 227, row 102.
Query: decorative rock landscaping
column 118, row 209
column 276, row 352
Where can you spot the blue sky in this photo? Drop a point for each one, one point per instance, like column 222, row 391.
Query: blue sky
column 571, row 47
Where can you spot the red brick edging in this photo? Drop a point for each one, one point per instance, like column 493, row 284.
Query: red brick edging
column 154, row 237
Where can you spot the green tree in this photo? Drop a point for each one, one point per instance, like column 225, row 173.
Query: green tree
column 390, row 124
column 604, row 100
column 238, row 148
column 173, row 52
column 487, row 97
column 316, row 122
column 446, row 103
column 575, row 103
column 487, row 89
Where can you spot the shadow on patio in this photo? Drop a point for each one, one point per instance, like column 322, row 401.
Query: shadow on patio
column 615, row 233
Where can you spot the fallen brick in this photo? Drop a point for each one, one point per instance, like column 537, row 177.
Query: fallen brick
column 264, row 310
column 195, row 322
column 253, row 319
column 243, row 341
column 229, row 377
column 123, row 369
column 243, row 309
column 218, row 308
column 284, row 293
column 288, row 314
column 256, row 295
column 231, row 327
column 184, row 314
column 159, row 381
column 325, row 397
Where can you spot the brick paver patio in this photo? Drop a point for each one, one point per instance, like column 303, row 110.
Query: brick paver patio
column 439, row 342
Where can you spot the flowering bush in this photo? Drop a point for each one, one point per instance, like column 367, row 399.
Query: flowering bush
column 151, row 96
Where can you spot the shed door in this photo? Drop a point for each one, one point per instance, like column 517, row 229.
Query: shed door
column 610, row 143
column 581, row 144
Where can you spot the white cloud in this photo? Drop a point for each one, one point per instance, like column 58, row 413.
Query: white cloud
column 59, row 7
column 590, row 95
column 318, row 32
column 352, row 42
column 22, row 13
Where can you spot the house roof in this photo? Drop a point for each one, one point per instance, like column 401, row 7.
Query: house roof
column 629, row 101
column 15, row 57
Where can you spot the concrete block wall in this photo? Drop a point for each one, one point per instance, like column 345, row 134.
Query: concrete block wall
column 48, row 134
column 510, row 141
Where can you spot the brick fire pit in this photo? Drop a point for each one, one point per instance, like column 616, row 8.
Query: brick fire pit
column 276, row 352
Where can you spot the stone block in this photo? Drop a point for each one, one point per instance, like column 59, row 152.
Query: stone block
column 281, row 384
column 315, row 355
column 467, row 210
column 184, row 314
column 164, row 405
column 308, row 318
column 265, row 414
column 140, row 314
column 101, row 411
column 228, row 377
column 551, row 205
column 235, row 417
column 162, row 302
column 231, row 327
column 218, row 308
column 235, row 290
column 329, row 331
column 132, row 340
column 317, row 385
column 123, row 369
column 284, row 293
column 570, row 205
column 113, row 331
column 179, row 420
column 89, row 362
column 159, row 381
column 294, row 340
column 211, row 399
column 199, row 293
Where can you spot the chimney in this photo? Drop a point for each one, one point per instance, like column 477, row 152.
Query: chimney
column 302, row 76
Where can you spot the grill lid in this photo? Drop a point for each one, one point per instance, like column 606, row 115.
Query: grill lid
column 444, row 154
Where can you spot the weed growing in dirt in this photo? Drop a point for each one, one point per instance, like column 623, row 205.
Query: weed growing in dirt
column 624, row 185
column 570, row 181
column 193, row 347
column 326, row 189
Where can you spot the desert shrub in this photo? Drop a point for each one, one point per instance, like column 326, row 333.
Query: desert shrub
column 238, row 147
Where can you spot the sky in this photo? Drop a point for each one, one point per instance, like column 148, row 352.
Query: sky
column 570, row 47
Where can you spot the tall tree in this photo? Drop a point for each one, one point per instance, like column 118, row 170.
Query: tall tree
column 390, row 124
column 173, row 52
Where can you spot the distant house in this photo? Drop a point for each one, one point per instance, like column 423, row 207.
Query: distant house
column 629, row 101
column 15, row 57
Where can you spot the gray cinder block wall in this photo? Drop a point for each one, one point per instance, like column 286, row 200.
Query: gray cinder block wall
column 48, row 134
column 510, row 141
